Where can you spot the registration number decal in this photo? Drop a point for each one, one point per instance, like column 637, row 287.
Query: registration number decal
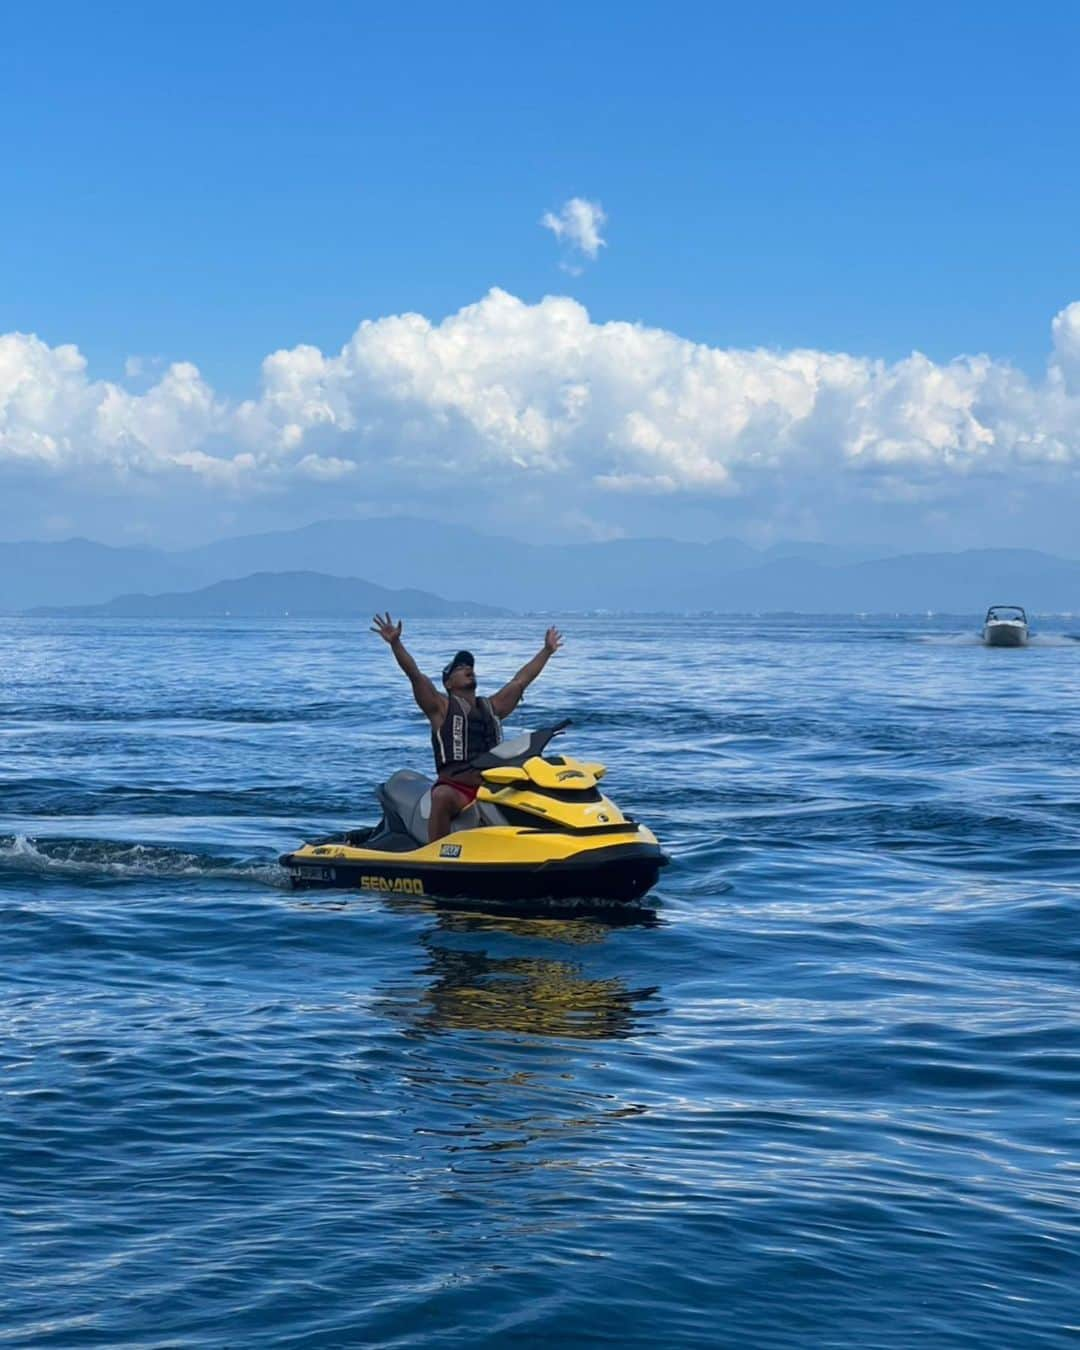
column 313, row 873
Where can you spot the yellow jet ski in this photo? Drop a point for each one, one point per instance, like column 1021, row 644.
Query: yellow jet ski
column 540, row 829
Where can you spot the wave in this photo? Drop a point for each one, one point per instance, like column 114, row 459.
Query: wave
column 20, row 853
column 61, row 797
column 187, row 711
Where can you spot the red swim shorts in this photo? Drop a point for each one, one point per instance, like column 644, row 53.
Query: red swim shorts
column 467, row 790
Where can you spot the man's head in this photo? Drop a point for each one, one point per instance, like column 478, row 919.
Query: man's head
column 458, row 675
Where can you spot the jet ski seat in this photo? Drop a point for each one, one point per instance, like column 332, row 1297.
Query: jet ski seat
column 406, row 802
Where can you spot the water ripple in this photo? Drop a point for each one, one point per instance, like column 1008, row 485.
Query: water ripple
column 825, row 1094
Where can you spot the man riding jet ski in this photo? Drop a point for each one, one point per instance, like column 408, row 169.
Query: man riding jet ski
column 462, row 725
column 524, row 827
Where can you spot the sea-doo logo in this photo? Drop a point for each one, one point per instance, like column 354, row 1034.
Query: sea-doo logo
column 399, row 885
column 450, row 851
column 569, row 773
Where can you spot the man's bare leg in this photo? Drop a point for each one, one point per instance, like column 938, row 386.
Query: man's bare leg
column 446, row 804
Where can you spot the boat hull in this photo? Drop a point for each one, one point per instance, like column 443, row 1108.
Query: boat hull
column 1005, row 634
column 620, row 872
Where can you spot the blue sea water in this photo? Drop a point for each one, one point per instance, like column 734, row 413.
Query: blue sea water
column 823, row 1093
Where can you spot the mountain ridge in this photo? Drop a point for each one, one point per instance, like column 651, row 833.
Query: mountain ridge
column 277, row 595
column 628, row 575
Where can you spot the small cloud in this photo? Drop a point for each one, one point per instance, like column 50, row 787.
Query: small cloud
column 578, row 226
column 324, row 468
column 143, row 367
column 588, row 527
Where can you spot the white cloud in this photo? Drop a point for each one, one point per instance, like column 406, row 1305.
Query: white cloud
column 578, row 225
column 1066, row 336
column 143, row 367
column 536, row 405
column 324, row 468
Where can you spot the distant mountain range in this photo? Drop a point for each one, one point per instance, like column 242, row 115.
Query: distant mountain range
column 272, row 595
column 630, row 575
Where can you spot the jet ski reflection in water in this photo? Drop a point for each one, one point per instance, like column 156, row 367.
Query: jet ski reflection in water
column 503, row 822
column 483, row 974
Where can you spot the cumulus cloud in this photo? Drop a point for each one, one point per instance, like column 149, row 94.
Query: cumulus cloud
column 535, row 403
column 578, row 225
column 1066, row 336
column 51, row 413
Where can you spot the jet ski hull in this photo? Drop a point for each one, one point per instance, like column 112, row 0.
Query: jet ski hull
column 619, row 872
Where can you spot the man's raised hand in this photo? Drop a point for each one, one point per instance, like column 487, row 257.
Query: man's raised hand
column 386, row 628
column 552, row 641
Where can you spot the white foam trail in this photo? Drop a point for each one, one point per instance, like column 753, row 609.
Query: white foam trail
column 975, row 640
column 107, row 857
column 950, row 639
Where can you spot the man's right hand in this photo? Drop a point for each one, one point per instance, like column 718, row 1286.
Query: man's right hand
column 430, row 702
column 386, row 628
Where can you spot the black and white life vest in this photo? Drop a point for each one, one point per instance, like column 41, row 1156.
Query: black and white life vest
column 465, row 733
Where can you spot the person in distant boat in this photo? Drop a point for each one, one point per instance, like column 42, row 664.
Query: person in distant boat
column 462, row 725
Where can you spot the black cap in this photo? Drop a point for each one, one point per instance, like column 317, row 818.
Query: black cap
column 463, row 658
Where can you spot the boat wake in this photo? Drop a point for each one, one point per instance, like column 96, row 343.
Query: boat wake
column 949, row 639
column 975, row 639
column 104, row 857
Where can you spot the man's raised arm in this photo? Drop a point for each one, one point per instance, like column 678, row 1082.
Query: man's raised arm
column 509, row 696
column 428, row 698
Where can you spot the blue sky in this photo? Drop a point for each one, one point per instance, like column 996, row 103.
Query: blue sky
column 208, row 184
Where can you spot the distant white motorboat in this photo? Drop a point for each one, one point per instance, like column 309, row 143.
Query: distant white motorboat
column 1005, row 626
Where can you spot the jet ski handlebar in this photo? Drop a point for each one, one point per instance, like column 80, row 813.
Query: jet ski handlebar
column 515, row 752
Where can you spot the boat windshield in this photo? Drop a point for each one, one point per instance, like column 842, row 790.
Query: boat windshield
column 1005, row 614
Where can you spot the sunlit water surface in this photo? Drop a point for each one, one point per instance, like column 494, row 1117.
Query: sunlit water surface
column 826, row 1095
